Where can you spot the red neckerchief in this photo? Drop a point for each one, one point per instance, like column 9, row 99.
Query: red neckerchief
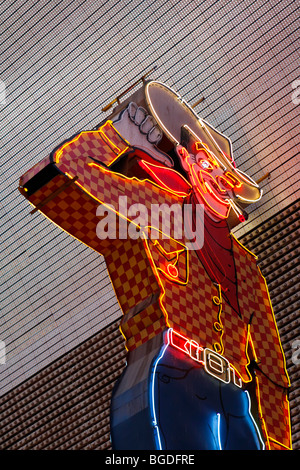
column 216, row 254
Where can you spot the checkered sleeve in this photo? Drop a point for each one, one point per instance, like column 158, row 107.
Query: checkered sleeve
column 271, row 374
column 105, row 145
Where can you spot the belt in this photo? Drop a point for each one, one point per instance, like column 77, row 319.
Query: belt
column 214, row 364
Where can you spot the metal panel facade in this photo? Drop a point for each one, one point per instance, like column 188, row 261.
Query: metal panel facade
column 61, row 62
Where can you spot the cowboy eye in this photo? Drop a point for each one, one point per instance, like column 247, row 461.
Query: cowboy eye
column 205, row 165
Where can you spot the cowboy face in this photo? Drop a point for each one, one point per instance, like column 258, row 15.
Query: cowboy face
column 213, row 184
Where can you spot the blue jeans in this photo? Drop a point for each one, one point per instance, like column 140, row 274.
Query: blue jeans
column 179, row 406
column 193, row 410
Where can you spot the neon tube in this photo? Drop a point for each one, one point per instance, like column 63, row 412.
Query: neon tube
column 152, row 403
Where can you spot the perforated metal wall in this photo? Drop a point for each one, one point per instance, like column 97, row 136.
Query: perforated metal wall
column 61, row 62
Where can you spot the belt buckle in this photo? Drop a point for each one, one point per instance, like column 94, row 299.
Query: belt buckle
column 220, row 368
column 216, row 365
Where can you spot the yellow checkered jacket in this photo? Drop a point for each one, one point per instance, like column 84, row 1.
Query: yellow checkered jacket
column 151, row 297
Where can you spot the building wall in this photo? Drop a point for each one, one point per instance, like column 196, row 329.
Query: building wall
column 61, row 63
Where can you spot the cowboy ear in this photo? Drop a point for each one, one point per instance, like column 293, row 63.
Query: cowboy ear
column 184, row 157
